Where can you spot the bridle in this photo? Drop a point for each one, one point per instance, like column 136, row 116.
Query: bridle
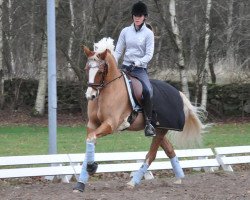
column 103, row 69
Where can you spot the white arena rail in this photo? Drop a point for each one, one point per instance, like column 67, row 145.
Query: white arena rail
column 228, row 156
column 65, row 166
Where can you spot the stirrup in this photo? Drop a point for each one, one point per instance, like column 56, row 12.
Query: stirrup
column 79, row 187
column 149, row 130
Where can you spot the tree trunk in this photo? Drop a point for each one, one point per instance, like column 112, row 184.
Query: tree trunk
column 158, row 50
column 230, row 46
column 31, row 64
column 194, row 58
column 10, row 38
column 42, row 84
column 206, row 50
column 1, row 58
column 178, row 41
column 212, row 72
column 69, row 70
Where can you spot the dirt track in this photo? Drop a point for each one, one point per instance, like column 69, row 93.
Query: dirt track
column 196, row 186
column 199, row 186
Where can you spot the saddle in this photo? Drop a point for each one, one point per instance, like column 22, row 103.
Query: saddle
column 134, row 88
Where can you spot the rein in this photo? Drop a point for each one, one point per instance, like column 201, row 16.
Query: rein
column 102, row 84
column 105, row 84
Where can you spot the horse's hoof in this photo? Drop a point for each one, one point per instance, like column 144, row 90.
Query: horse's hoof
column 79, row 187
column 178, row 181
column 92, row 167
column 131, row 184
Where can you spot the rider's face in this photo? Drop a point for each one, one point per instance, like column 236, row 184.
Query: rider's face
column 138, row 19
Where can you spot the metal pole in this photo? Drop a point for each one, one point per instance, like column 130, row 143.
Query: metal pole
column 52, row 92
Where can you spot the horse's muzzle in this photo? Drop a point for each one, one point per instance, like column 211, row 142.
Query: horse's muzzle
column 91, row 93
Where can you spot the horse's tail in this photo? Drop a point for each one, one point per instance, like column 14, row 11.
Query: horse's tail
column 191, row 135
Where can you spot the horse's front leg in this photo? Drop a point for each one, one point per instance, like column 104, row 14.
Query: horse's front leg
column 92, row 134
column 169, row 150
column 89, row 165
column 104, row 129
column 138, row 175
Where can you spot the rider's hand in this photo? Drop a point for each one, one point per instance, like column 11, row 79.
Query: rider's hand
column 136, row 63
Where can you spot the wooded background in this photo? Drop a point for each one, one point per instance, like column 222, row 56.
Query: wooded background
column 199, row 41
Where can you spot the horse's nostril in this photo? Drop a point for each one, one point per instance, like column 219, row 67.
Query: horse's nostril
column 93, row 96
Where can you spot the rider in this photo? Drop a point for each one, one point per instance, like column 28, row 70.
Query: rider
column 137, row 43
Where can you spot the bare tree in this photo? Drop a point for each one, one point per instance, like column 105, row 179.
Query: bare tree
column 178, row 41
column 68, row 72
column 39, row 107
column 31, row 60
column 230, row 46
column 206, row 50
column 10, row 37
column 42, row 85
column 1, row 58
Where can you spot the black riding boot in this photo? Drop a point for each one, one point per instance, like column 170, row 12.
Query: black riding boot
column 147, row 108
column 149, row 129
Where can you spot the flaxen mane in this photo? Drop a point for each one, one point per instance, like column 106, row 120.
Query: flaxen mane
column 103, row 44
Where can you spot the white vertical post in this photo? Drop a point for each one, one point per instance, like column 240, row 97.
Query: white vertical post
column 52, row 92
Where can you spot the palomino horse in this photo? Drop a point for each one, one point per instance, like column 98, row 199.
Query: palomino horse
column 108, row 110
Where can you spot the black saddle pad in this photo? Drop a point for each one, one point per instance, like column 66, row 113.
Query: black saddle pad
column 167, row 106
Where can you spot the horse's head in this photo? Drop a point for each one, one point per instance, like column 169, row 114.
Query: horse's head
column 101, row 67
column 96, row 69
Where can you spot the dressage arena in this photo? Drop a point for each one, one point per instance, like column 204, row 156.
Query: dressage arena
column 218, row 185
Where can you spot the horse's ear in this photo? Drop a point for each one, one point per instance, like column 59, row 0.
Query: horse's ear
column 108, row 51
column 104, row 54
column 87, row 51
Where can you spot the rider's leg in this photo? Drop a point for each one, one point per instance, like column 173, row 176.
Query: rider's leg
column 147, row 93
column 147, row 108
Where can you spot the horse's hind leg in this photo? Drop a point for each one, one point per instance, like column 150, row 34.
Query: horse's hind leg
column 138, row 175
column 169, row 150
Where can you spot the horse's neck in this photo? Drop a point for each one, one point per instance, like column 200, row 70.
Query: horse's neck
column 113, row 71
column 114, row 96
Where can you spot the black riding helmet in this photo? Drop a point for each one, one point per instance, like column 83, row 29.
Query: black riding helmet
column 139, row 9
